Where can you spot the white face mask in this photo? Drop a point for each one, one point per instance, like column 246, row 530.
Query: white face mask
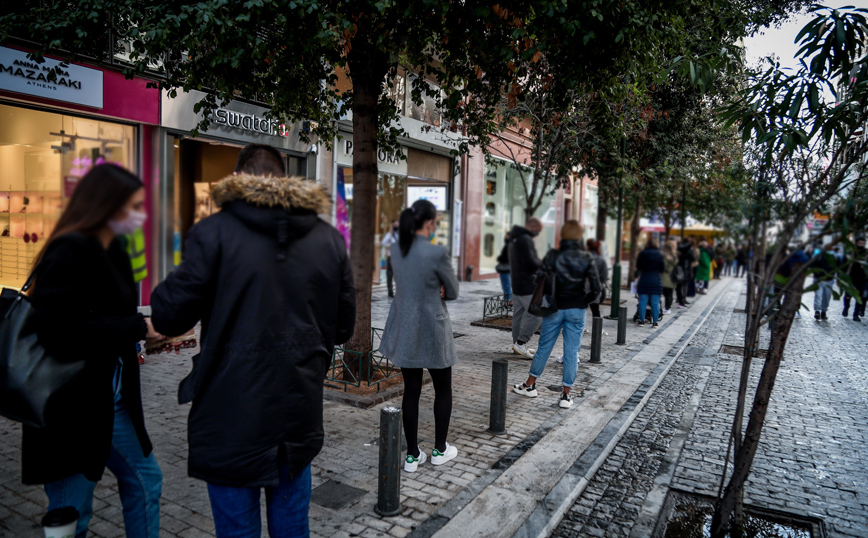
column 133, row 221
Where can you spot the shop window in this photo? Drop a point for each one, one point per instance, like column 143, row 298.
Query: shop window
column 43, row 156
column 488, row 245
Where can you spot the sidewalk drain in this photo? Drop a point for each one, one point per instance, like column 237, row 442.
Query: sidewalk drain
column 739, row 350
column 335, row 495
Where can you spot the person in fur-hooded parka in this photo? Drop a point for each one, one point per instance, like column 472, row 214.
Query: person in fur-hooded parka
column 271, row 283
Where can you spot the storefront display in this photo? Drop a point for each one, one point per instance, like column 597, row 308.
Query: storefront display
column 43, row 156
column 503, row 206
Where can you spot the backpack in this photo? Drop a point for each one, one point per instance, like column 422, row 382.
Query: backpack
column 677, row 275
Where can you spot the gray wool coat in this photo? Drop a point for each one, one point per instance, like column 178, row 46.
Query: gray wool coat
column 418, row 332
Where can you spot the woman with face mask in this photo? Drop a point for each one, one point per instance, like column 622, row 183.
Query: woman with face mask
column 86, row 310
column 418, row 331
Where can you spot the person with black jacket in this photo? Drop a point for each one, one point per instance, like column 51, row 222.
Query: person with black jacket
column 650, row 265
column 503, row 269
column 859, row 279
column 86, row 311
column 686, row 259
column 524, row 264
column 572, row 268
column 271, row 283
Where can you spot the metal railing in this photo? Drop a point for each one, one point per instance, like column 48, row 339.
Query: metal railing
column 496, row 307
column 352, row 368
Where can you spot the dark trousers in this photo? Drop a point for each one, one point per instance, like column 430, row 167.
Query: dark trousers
column 442, row 379
column 667, row 298
column 595, row 307
column 679, row 293
column 858, row 309
column 389, row 276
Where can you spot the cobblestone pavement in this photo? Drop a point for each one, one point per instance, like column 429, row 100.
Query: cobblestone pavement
column 350, row 455
column 814, row 444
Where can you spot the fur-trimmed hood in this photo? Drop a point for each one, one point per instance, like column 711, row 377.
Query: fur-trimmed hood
column 277, row 192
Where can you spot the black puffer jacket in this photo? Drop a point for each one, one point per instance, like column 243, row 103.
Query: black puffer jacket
column 686, row 259
column 573, row 268
column 272, row 285
column 524, row 262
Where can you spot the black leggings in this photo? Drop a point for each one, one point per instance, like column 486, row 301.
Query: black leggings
column 442, row 378
column 595, row 307
column 679, row 294
column 667, row 298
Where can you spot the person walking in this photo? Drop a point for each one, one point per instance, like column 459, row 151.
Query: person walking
column 524, row 264
column 576, row 285
column 419, row 332
column 86, row 300
column 741, row 261
column 859, row 279
column 728, row 259
column 824, row 279
column 272, row 284
column 602, row 273
column 502, row 269
column 650, row 265
column 670, row 260
column 703, row 270
column 686, row 259
column 390, row 239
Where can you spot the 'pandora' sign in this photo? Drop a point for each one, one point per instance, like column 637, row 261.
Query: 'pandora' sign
column 72, row 83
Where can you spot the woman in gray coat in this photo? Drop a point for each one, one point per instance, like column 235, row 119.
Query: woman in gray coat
column 418, row 332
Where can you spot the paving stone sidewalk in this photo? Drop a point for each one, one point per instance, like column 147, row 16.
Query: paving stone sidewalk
column 350, row 456
column 814, row 445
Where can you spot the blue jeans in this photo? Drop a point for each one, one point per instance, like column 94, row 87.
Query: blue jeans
column 823, row 295
column 505, row 283
column 655, row 306
column 140, row 481
column 236, row 510
column 573, row 323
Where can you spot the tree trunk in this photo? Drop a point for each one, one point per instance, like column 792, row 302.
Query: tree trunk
column 668, row 215
column 730, row 504
column 367, row 70
column 635, row 230
column 602, row 215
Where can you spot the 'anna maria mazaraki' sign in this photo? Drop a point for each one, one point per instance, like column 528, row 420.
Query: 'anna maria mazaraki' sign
column 72, row 83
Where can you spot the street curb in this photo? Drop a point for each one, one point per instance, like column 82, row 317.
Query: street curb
column 551, row 510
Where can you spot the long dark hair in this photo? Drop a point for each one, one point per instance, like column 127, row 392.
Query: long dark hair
column 412, row 219
column 99, row 195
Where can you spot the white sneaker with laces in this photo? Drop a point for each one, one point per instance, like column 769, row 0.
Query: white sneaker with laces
column 411, row 463
column 566, row 400
column 523, row 350
column 667, row 311
column 524, row 390
column 439, row 458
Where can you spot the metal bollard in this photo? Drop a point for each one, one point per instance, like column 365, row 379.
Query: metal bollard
column 622, row 326
column 596, row 339
column 499, row 375
column 389, row 478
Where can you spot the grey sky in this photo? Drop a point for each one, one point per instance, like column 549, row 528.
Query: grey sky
column 779, row 41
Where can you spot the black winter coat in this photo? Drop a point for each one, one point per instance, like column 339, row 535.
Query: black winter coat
column 524, row 262
column 686, row 259
column 85, row 301
column 650, row 264
column 272, row 285
column 576, row 281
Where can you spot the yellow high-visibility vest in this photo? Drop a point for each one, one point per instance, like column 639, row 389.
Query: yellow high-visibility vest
column 136, row 249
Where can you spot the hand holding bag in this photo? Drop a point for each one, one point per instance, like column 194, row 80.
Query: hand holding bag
column 29, row 377
column 542, row 304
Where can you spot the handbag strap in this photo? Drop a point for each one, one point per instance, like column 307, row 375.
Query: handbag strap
column 30, row 278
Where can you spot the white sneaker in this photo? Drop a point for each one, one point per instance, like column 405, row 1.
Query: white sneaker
column 439, row 458
column 523, row 350
column 566, row 400
column 411, row 463
column 667, row 311
column 560, row 359
column 524, row 390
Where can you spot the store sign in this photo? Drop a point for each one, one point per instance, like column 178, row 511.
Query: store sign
column 248, row 122
column 72, row 83
column 387, row 163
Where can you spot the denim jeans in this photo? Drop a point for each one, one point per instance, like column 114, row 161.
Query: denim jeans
column 140, row 481
column 573, row 323
column 505, row 284
column 823, row 295
column 236, row 510
column 655, row 306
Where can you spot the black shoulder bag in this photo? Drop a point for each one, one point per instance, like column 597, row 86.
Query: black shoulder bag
column 29, row 376
column 541, row 303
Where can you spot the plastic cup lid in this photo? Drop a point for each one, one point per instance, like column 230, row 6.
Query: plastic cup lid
column 60, row 516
